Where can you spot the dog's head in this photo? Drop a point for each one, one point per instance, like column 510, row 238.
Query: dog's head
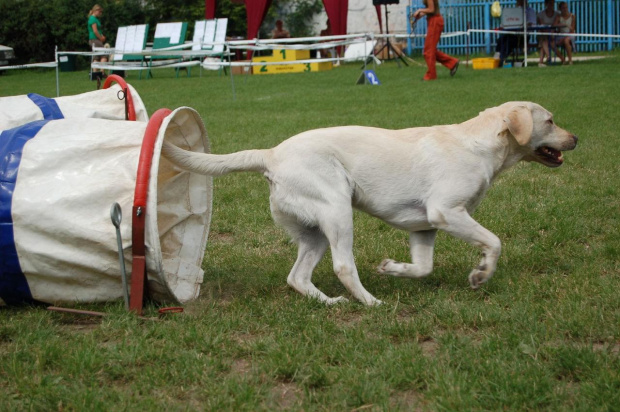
column 537, row 135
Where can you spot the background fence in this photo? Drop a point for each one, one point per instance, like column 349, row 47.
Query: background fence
column 593, row 17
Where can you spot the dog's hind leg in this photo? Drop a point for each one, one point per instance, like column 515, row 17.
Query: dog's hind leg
column 339, row 231
column 422, row 245
column 312, row 245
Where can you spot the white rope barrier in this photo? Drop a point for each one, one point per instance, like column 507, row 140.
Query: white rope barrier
column 29, row 66
column 324, row 42
column 138, row 66
column 544, row 33
column 145, row 58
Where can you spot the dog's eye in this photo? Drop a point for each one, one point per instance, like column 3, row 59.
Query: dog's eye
column 550, row 121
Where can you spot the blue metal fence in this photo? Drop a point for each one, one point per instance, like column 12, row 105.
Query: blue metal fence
column 593, row 17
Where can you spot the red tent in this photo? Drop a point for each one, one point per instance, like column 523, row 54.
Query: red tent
column 257, row 9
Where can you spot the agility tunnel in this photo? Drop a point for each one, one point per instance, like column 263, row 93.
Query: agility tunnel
column 117, row 100
column 58, row 180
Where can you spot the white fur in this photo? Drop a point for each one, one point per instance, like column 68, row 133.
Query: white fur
column 419, row 180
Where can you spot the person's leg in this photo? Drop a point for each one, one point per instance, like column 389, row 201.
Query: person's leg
column 446, row 60
column 443, row 58
column 544, row 50
column 97, row 43
column 559, row 42
column 503, row 47
column 569, row 49
column 430, row 47
column 506, row 44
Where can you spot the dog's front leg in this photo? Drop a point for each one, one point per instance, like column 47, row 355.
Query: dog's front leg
column 421, row 245
column 457, row 222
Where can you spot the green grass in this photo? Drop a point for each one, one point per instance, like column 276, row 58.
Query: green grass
column 543, row 334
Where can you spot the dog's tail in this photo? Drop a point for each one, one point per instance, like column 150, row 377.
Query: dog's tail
column 215, row 165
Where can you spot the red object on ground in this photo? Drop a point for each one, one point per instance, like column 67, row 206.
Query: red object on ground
column 138, row 272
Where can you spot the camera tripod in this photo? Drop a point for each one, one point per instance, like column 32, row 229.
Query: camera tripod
column 388, row 44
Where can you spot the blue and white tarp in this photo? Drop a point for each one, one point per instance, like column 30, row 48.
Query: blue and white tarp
column 101, row 104
column 58, row 180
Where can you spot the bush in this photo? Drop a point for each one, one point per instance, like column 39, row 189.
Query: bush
column 297, row 16
column 35, row 28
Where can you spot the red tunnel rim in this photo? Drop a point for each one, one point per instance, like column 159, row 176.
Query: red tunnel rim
column 131, row 110
column 138, row 272
column 146, row 156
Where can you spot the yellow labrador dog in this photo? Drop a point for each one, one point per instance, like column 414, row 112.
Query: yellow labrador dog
column 419, row 180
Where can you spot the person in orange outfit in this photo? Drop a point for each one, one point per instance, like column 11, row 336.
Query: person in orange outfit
column 435, row 27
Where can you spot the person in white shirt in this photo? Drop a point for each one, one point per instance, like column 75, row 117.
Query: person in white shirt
column 546, row 18
column 507, row 42
column 565, row 21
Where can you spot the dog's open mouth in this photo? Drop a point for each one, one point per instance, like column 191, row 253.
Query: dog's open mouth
column 549, row 155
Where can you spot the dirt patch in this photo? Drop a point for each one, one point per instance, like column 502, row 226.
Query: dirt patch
column 407, row 401
column 82, row 327
column 78, row 323
column 241, row 366
column 429, row 347
column 287, row 395
column 226, row 238
column 351, row 319
column 244, row 338
column 610, row 347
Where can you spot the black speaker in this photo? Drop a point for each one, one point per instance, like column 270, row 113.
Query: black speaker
column 380, row 2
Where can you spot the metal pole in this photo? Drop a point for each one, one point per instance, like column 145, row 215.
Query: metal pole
column 610, row 25
column 525, row 33
column 57, row 81
column 468, row 27
column 232, row 82
column 487, row 27
column 365, row 55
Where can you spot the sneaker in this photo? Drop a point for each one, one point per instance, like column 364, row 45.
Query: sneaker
column 542, row 65
column 455, row 68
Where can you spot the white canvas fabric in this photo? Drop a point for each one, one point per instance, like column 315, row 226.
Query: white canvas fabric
column 102, row 104
column 70, row 174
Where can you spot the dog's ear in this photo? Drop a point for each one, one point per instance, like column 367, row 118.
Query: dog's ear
column 520, row 124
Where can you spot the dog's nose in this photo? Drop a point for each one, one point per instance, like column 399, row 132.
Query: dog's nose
column 575, row 138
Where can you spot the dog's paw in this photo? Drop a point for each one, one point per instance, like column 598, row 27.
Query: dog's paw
column 387, row 267
column 333, row 301
column 477, row 277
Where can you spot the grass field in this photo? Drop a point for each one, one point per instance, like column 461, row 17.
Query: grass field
column 543, row 334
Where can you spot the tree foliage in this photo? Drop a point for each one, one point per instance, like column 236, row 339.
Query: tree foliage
column 35, row 27
column 296, row 15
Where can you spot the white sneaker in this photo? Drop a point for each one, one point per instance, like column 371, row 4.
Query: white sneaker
column 542, row 65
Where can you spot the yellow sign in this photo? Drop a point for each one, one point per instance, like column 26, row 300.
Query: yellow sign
column 286, row 56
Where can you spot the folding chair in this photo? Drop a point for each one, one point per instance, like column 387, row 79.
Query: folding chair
column 167, row 35
column 130, row 39
column 206, row 34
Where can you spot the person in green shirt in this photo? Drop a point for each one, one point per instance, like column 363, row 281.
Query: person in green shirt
column 95, row 36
